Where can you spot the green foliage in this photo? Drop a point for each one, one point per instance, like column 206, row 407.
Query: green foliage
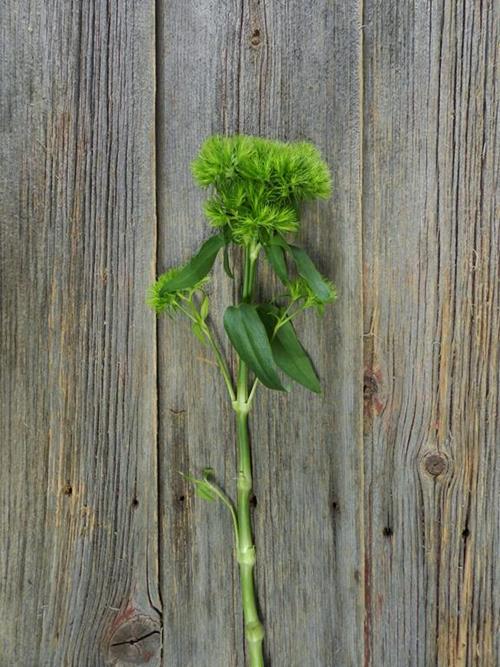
column 163, row 299
column 321, row 288
column 288, row 352
column 202, row 487
column 300, row 290
column 249, row 338
column 276, row 258
column 256, row 187
column 258, row 183
column 166, row 293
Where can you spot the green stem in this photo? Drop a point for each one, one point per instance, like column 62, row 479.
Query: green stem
column 221, row 362
column 227, row 502
column 254, row 630
column 196, row 318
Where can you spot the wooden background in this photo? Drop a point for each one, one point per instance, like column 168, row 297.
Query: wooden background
column 376, row 506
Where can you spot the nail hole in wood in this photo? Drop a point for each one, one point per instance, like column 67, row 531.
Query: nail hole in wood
column 67, row 489
column 135, row 503
column 253, row 501
column 465, row 533
column 388, row 531
column 182, row 499
column 335, row 506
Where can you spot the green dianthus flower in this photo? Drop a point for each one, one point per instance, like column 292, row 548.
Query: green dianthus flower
column 163, row 297
column 258, row 184
column 300, row 289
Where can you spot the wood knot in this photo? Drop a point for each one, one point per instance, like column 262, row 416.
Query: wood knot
column 136, row 641
column 435, row 464
column 371, row 388
column 255, row 39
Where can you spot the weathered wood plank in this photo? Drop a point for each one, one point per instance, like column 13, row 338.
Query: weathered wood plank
column 430, row 243
column 195, row 422
column 78, row 469
column 285, row 71
column 78, row 458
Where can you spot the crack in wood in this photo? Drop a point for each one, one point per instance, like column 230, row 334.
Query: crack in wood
column 131, row 642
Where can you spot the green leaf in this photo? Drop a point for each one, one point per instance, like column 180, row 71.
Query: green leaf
column 279, row 241
column 205, row 304
column 249, row 338
column 201, row 487
column 276, row 258
column 197, row 267
column 269, row 315
column 310, row 273
column 203, row 491
column 227, row 265
column 305, row 268
column 288, row 352
column 198, row 332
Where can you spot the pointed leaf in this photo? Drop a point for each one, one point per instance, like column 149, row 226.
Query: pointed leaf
column 288, row 352
column 197, row 267
column 205, row 305
column 227, row 265
column 198, row 332
column 203, row 490
column 305, row 268
column 309, row 272
column 276, row 258
column 279, row 241
column 249, row 338
column 292, row 358
column 201, row 487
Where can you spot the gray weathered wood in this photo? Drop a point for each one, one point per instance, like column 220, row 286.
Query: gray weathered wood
column 430, row 245
column 286, row 71
column 78, row 530
column 375, row 551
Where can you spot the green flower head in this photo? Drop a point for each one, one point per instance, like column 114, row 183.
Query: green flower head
column 164, row 296
column 257, row 184
column 299, row 289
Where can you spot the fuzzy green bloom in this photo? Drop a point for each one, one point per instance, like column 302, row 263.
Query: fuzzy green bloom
column 162, row 298
column 258, row 183
column 300, row 289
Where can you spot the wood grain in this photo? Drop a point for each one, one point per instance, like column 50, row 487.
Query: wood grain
column 380, row 550
column 284, row 71
column 78, row 533
column 430, row 253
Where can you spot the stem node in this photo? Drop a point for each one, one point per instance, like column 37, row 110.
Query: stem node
column 254, row 632
column 246, row 556
column 241, row 407
column 244, row 483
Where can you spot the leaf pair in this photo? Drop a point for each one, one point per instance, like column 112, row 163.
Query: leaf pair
column 251, row 330
column 288, row 352
column 276, row 255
